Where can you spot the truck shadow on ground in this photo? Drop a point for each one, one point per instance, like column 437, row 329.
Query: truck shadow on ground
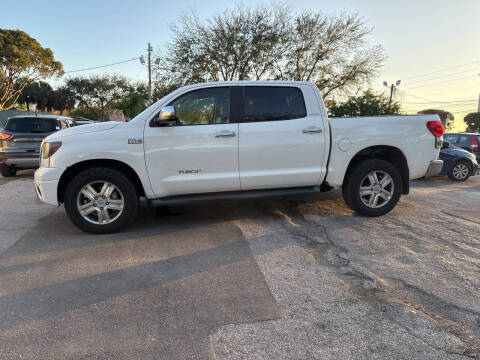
column 171, row 276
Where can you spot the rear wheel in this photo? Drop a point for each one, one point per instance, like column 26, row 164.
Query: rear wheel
column 8, row 171
column 373, row 187
column 101, row 200
column 461, row 171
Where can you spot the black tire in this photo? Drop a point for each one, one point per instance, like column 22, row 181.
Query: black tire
column 99, row 174
column 8, row 171
column 458, row 176
column 355, row 179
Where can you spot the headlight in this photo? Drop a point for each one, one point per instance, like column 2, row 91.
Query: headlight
column 50, row 148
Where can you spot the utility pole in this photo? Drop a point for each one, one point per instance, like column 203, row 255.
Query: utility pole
column 149, row 50
column 391, row 95
column 392, row 89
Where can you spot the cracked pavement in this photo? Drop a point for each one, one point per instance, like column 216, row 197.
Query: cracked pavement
column 284, row 278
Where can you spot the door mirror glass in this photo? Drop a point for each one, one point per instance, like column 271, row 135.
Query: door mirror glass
column 166, row 117
column 445, row 145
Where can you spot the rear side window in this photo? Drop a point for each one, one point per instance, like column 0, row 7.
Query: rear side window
column 271, row 103
column 464, row 138
column 32, row 125
column 451, row 138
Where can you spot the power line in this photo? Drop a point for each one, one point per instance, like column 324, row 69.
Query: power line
column 441, row 70
column 432, row 101
column 442, row 76
column 454, row 90
column 469, row 101
column 440, row 82
column 102, row 66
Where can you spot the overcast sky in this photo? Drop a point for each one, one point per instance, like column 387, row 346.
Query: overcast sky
column 433, row 46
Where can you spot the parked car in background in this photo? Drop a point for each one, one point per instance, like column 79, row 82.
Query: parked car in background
column 466, row 141
column 458, row 164
column 83, row 121
column 20, row 140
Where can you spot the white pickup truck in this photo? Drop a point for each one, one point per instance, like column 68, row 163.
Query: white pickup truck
column 234, row 139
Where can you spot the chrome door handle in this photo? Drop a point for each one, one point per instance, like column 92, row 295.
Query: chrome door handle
column 225, row 133
column 312, row 130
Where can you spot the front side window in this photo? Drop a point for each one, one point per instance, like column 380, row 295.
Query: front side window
column 203, row 107
column 271, row 103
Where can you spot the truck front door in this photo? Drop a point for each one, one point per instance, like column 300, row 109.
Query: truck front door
column 200, row 153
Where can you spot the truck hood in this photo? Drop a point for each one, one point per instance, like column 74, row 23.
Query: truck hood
column 84, row 129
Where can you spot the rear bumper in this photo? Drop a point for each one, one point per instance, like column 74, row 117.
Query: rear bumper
column 434, row 168
column 23, row 159
column 475, row 170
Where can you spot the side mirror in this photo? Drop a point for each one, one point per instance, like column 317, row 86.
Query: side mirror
column 446, row 145
column 166, row 117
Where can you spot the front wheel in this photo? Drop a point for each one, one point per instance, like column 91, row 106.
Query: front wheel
column 373, row 187
column 460, row 172
column 101, row 200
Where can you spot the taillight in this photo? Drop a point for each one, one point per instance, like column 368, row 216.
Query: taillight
column 435, row 127
column 5, row 136
column 474, row 143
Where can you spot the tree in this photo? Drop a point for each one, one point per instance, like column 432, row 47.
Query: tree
column 446, row 117
column 97, row 94
column 472, row 121
column 270, row 43
column 39, row 93
column 63, row 99
column 22, row 61
column 330, row 51
column 131, row 105
column 367, row 104
column 45, row 97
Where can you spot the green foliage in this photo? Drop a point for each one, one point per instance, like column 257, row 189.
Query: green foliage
column 131, row 105
column 446, row 117
column 22, row 61
column 45, row 97
column 366, row 104
column 98, row 94
column 83, row 113
column 472, row 121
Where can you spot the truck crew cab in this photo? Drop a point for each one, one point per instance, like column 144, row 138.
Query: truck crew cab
column 230, row 139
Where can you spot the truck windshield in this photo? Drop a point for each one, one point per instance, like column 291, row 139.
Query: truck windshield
column 32, row 125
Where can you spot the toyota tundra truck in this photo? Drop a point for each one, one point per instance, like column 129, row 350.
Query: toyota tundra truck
column 231, row 140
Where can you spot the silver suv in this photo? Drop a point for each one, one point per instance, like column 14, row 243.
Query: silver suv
column 21, row 137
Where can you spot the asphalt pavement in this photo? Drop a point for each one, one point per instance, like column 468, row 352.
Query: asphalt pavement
column 285, row 278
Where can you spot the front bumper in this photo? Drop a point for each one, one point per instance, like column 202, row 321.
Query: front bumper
column 46, row 184
column 434, row 168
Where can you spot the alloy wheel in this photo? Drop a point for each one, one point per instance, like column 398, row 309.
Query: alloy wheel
column 100, row 202
column 460, row 171
column 376, row 189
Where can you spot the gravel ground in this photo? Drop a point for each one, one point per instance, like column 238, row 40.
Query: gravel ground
column 299, row 278
column 402, row 286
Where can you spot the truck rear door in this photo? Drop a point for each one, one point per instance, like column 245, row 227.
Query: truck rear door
column 282, row 138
